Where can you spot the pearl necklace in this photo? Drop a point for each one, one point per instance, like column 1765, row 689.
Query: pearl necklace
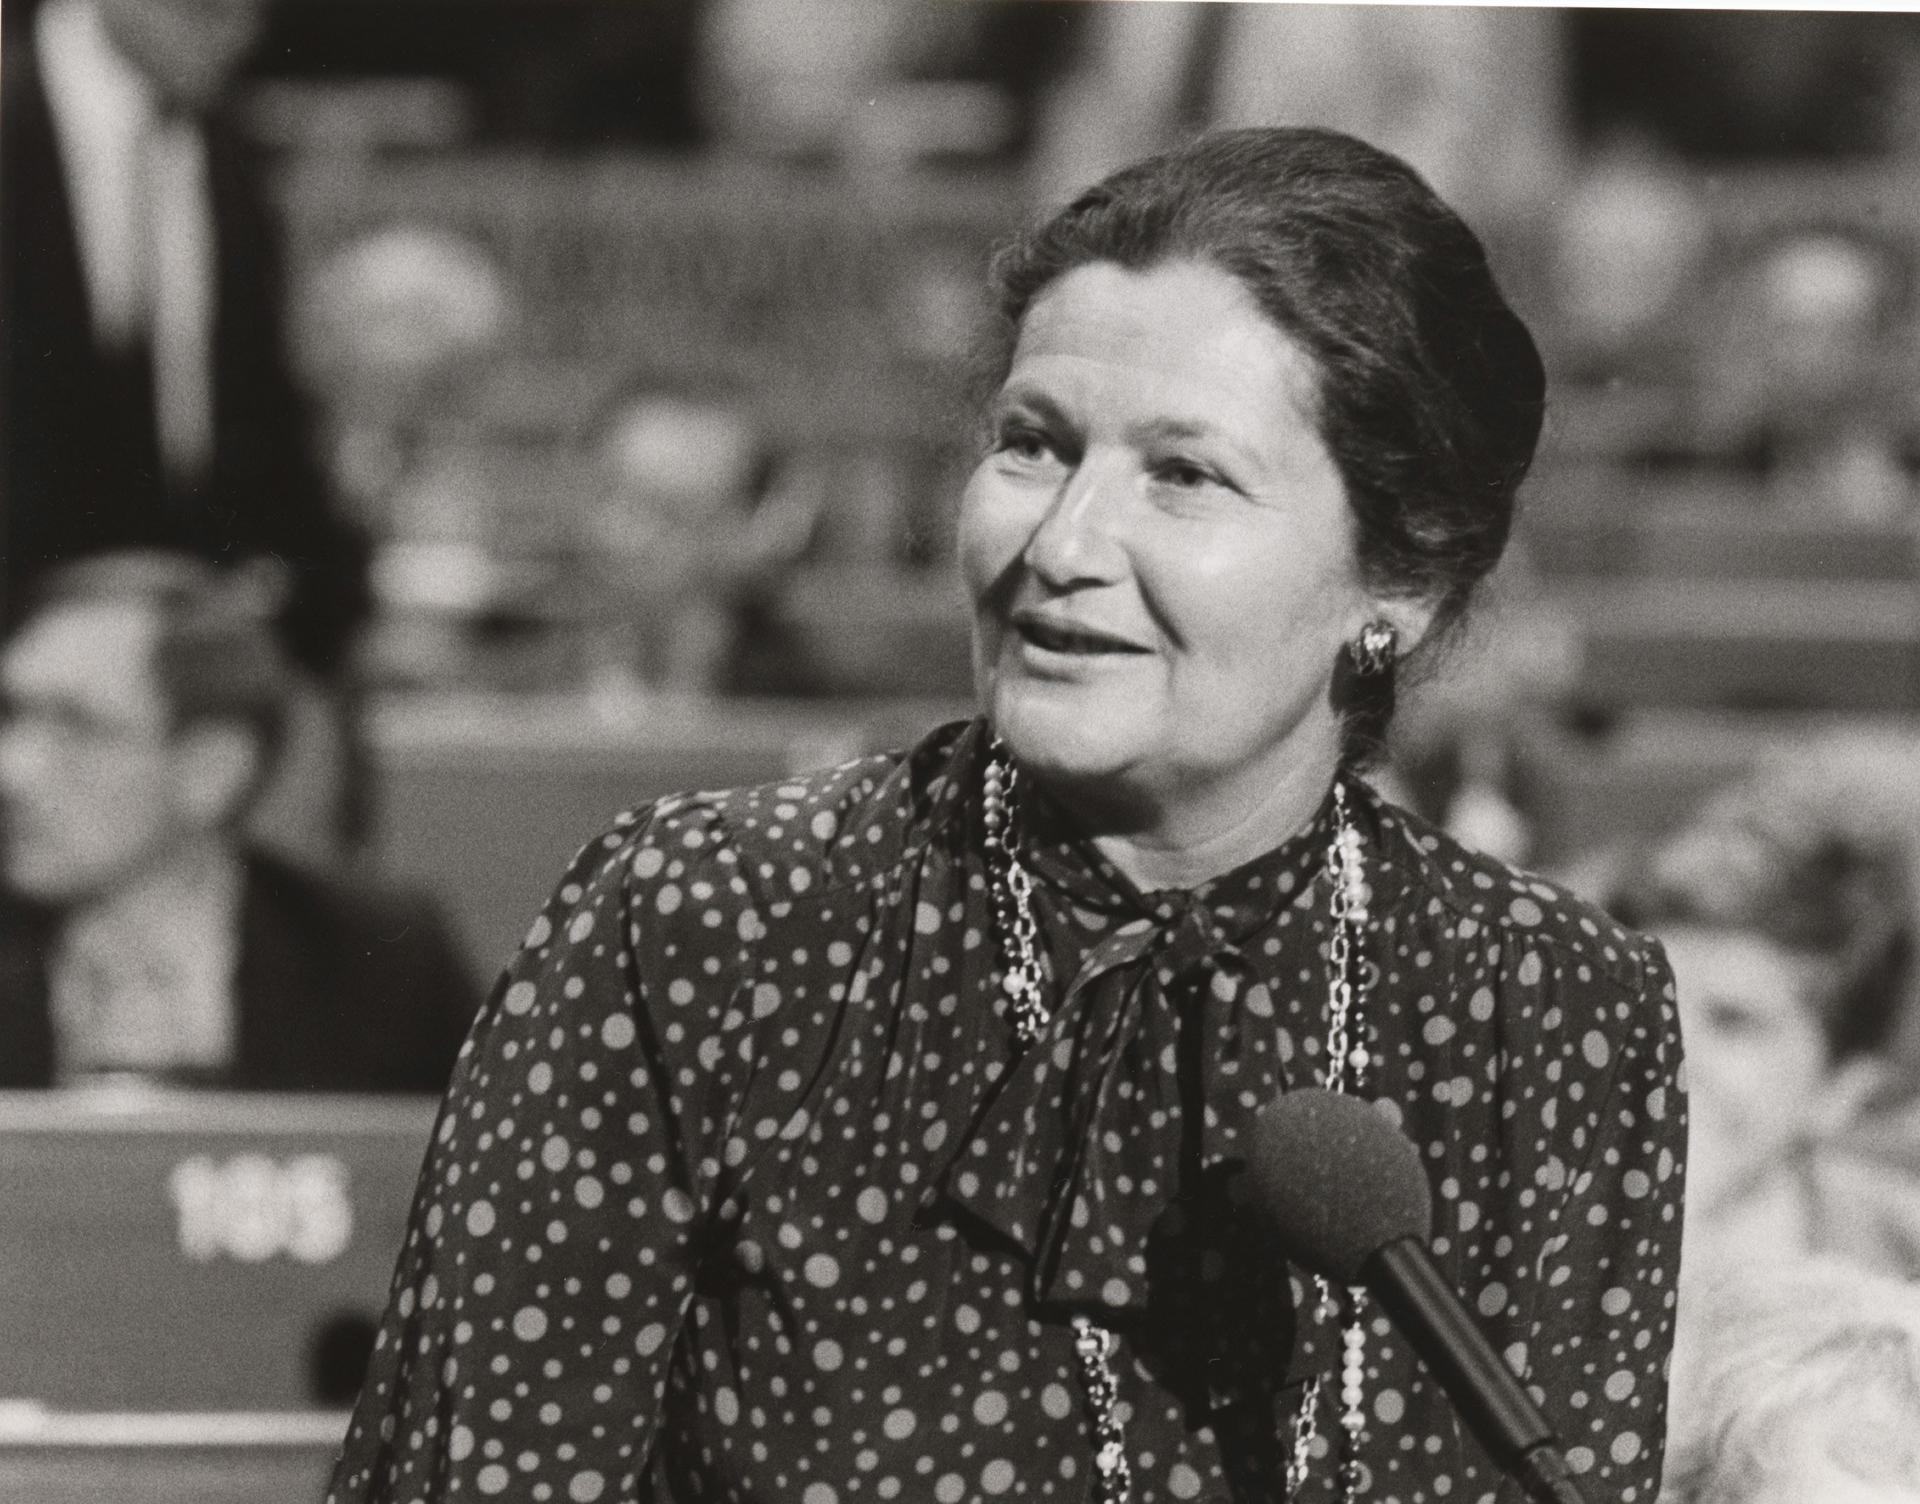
column 1095, row 1346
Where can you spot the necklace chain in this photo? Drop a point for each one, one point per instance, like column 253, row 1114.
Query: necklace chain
column 1347, row 1062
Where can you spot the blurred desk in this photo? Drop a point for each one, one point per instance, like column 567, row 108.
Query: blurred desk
column 1684, row 536
column 175, row 1251
column 1650, row 773
column 1747, row 644
column 248, row 1458
column 485, row 798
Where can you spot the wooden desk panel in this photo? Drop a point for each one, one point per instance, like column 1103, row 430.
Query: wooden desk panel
column 484, row 799
column 167, row 1459
column 177, row 1251
column 1747, row 644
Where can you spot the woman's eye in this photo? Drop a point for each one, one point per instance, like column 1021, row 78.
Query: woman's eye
column 1023, row 443
column 1185, row 474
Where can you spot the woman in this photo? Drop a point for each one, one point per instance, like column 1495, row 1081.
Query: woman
column 871, row 1136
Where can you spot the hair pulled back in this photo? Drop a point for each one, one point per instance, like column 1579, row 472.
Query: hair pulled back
column 1430, row 389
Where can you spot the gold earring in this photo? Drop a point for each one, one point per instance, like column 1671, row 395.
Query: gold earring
column 1373, row 650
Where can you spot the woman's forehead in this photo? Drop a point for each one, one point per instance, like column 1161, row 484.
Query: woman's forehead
column 1176, row 351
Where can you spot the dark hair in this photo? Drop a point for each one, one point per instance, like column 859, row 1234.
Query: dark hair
column 1430, row 390
column 215, row 657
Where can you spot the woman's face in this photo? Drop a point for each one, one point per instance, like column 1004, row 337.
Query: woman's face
column 1158, row 545
column 1755, row 1054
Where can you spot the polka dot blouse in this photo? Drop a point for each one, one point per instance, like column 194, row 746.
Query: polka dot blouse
column 745, row 1190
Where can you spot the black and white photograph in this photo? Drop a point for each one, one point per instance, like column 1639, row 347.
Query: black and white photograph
column 940, row 751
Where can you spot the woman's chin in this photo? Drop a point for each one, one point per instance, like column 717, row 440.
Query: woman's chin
column 1060, row 737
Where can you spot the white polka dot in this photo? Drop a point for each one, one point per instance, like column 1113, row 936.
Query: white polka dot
column 822, row 1271
column 586, row 1486
column 529, row 1323
column 617, row 1032
column 518, row 998
column 480, row 1218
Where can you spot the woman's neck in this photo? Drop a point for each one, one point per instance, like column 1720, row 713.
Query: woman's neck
column 1160, row 844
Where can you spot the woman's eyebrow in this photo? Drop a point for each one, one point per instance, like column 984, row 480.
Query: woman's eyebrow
column 1030, row 399
column 1190, row 430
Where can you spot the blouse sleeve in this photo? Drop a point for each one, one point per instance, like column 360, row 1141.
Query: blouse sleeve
column 1604, row 1300
column 549, row 1258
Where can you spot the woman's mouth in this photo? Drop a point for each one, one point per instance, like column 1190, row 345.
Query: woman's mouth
column 1054, row 634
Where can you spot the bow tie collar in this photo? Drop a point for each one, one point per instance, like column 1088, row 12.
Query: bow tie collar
column 1165, row 1036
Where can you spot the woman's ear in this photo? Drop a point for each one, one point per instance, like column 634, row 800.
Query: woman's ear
column 1410, row 618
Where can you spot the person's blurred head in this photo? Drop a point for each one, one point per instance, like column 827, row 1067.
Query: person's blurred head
column 1797, row 1388
column 1292, row 295
column 142, row 703
column 689, row 460
column 1787, row 915
column 189, row 50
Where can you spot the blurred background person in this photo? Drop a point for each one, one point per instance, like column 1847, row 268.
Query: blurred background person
column 1787, row 908
column 147, row 398
column 694, row 536
column 1803, row 1388
column 142, row 705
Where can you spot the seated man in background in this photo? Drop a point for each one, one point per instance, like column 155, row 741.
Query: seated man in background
column 142, row 702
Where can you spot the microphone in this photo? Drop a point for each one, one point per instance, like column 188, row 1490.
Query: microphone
column 1344, row 1192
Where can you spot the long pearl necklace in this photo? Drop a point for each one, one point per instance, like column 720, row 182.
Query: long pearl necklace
column 1095, row 1346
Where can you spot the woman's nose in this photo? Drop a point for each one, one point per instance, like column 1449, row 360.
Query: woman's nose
column 1076, row 541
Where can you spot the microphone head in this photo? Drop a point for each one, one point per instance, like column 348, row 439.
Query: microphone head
column 1334, row 1181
